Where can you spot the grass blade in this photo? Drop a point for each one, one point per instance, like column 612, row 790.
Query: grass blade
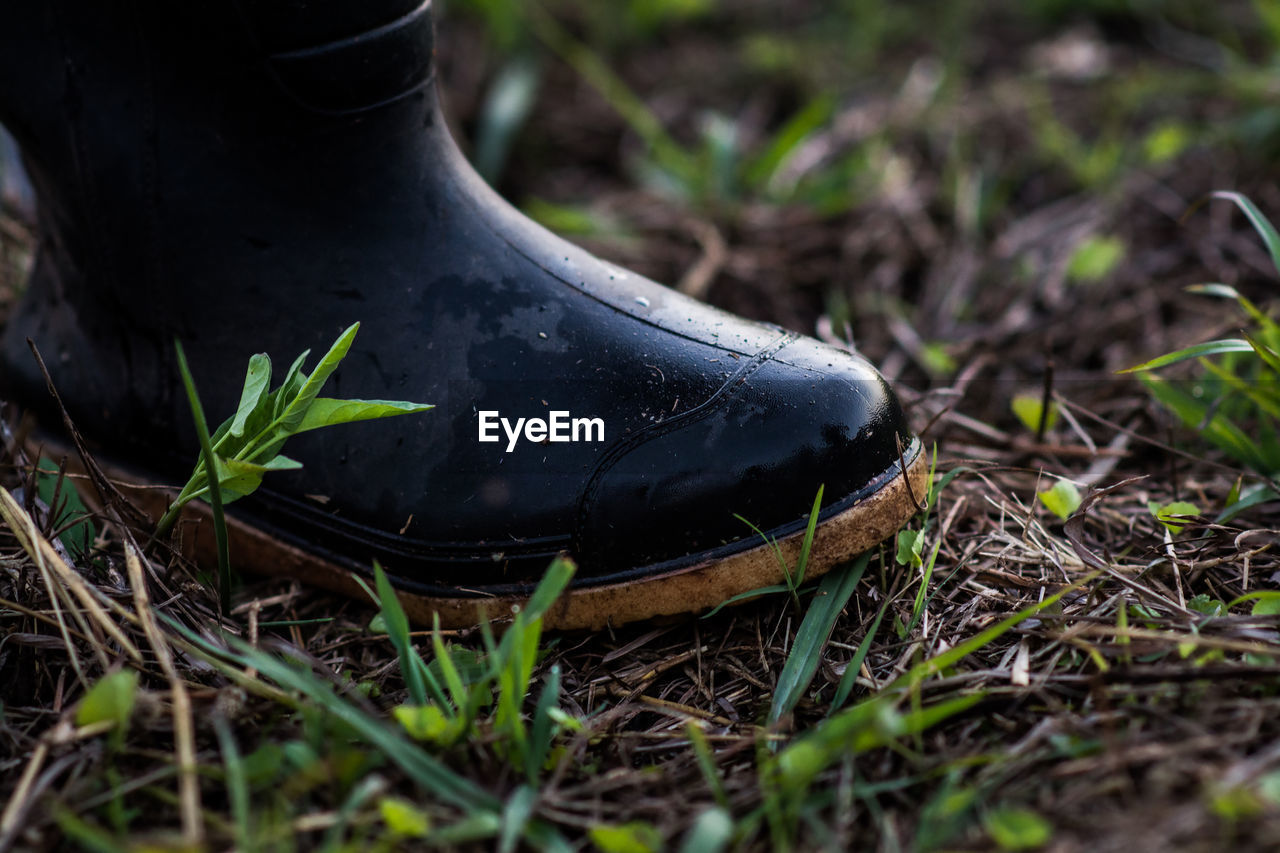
column 423, row 768
column 1259, row 222
column 1197, row 351
column 237, row 785
column 807, row 544
column 215, row 494
column 398, row 632
column 851, row 670
column 806, row 652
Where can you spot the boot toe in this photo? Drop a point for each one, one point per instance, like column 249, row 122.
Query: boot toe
column 802, row 416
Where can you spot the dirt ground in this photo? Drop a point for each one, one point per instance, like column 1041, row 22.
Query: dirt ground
column 992, row 209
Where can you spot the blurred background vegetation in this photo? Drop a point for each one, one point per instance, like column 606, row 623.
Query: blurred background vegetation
column 934, row 178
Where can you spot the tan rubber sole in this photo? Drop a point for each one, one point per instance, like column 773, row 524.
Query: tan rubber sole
column 692, row 589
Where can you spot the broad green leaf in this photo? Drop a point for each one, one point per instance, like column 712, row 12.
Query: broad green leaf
column 238, row 478
column 292, row 383
column 326, row 411
column 110, row 700
column 910, row 548
column 256, row 382
column 1062, row 499
column 1030, row 410
column 403, row 818
column 1260, row 223
column 1197, row 351
column 296, row 410
column 1169, row 513
column 1265, row 602
column 1206, row 604
column 1017, row 829
column 634, row 837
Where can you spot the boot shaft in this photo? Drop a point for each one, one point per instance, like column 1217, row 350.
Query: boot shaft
column 180, row 118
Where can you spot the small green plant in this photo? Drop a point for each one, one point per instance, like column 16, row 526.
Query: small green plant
column 1062, row 498
column 1235, row 401
column 248, row 445
column 447, row 696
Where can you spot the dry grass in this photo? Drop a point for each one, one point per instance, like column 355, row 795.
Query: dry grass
column 1139, row 712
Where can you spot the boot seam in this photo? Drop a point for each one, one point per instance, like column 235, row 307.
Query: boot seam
column 718, row 401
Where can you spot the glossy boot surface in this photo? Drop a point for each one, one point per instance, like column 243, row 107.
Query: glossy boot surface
column 257, row 177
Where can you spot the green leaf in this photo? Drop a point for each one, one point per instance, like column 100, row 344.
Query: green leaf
column 788, row 138
column 557, row 577
column 110, row 700
column 1197, row 351
column 238, row 478
column 1206, row 604
column 1166, row 142
column 543, row 731
column 1265, row 602
column 326, row 411
column 210, row 460
column 828, row 602
column 1095, row 258
column 1264, row 352
column 802, row 562
column 1226, row 291
column 403, row 818
column 1030, row 409
column 296, row 410
column 1197, row 414
column 634, row 837
column 1260, row 223
column 256, row 382
column 1062, row 499
column 73, row 517
column 1017, row 829
column 1255, row 495
column 429, row 723
column 515, row 817
column 1169, row 514
column 293, row 381
column 910, row 549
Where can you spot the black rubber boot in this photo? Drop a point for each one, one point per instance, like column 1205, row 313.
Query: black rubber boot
column 256, row 177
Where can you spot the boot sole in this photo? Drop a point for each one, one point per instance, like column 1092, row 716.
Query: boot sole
column 689, row 589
